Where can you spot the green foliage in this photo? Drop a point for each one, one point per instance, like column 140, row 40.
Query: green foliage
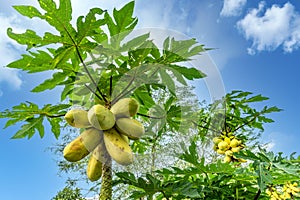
column 33, row 116
column 96, row 61
column 200, row 179
column 88, row 63
column 69, row 194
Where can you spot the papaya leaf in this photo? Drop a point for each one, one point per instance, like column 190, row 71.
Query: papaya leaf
column 28, row 11
column 257, row 98
column 55, row 126
column 28, row 129
column 90, row 26
column 135, row 42
column 29, row 38
column 121, row 24
column 188, row 73
column 36, row 62
column 167, row 80
column 288, row 169
column 32, row 117
column 49, row 84
column 264, row 176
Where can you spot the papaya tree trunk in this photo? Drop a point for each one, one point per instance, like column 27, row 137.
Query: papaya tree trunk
column 106, row 184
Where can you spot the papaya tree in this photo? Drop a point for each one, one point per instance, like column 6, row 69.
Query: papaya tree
column 123, row 95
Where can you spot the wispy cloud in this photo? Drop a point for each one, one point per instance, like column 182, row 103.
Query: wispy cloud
column 271, row 28
column 11, row 77
column 9, row 53
column 232, row 7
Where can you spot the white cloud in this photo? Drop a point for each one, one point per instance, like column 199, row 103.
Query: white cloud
column 9, row 53
column 232, row 7
column 11, row 77
column 268, row 29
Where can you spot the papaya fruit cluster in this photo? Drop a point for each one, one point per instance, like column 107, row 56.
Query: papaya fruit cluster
column 107, row 132
column 227, row 144
column 288, row 191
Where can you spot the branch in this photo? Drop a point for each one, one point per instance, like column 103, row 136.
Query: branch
column 120, row 95
column 151, row 117
column 86, row 69
column 54, row 116
column 257, row 194
column 246, row 123
column 110, row 85
column 210, row 129
column 92, row 91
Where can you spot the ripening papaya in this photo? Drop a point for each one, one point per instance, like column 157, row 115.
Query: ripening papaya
column 117, row 147
column 127, row 107
column 130, row 127
column 223, row 145
column 80, row 147
column 217, row 140
column 227, row 159
column 234, row 143
column 77, row 118
column 101, row 118
column 94, row 168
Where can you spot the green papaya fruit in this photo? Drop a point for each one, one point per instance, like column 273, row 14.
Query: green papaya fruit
column 130, row 127
column 77, row 118
column 101, row 118
column 126, row 107
column 80, row 147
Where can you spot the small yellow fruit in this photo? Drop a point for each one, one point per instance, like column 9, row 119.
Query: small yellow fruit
column 101, row 118
column 228, row 153
column 82, row 145
column 241, row 160
column 235, row 149
column 223, row 145
column 217, row 140
column 126, row 107
column 77, row 118
column 234, row 143
column 227, row 159
column 219, row 151
column 130, row 127
column 227, row 139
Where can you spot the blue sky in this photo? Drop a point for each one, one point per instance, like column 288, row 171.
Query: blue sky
column 257, row 50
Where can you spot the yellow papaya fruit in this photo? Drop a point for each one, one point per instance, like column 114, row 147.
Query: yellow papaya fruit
column 217, row 140
column 126, row 107
column 219, row 151
column 227, row 159
column 234, row 143
column 94, row 168
column 80, row 147
column 130, row 127
column 117, row 147
column 227, row 139
column 235, row 149
column 228, row 153
column 77, row 118
column 101, row 118
column 223, row 145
